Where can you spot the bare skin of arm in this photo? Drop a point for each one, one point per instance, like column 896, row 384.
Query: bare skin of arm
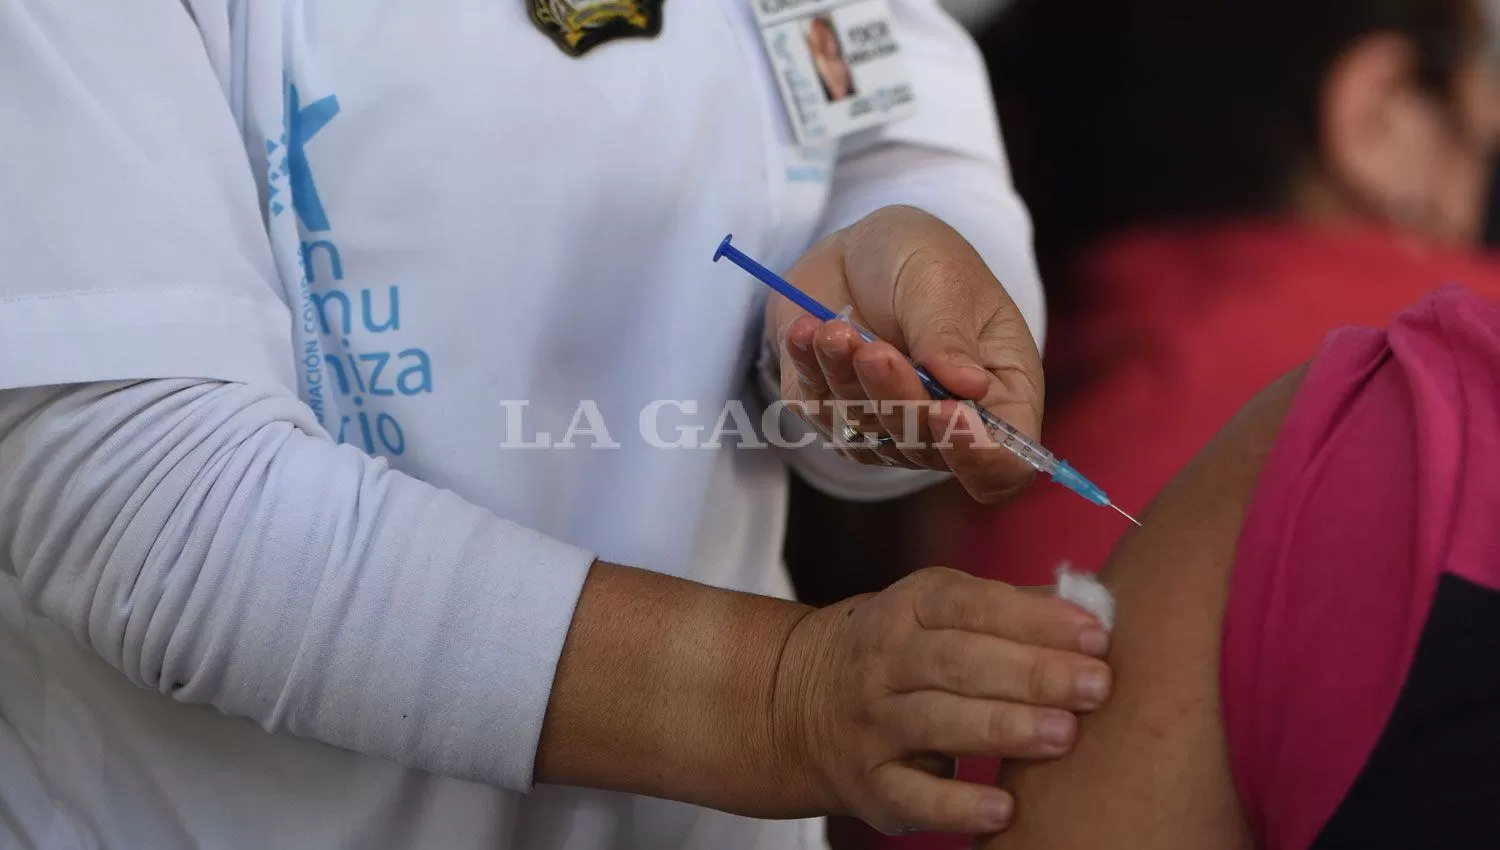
column 1151, row 768
column 773, row 709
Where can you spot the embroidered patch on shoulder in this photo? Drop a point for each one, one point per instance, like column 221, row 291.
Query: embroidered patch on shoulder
column 578, row 26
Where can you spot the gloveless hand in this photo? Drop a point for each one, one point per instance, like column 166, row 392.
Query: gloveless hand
column 925, row 292
column 939, row 663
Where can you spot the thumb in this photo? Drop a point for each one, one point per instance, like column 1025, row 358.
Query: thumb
column 962, row 327
column 944, row 340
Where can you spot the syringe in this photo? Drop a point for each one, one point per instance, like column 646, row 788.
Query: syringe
column 1019, row 444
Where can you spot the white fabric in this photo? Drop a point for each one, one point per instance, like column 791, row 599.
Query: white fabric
column 483, row 219
column 184, row 532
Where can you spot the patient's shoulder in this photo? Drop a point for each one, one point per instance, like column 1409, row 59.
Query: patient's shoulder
column 1150, row 768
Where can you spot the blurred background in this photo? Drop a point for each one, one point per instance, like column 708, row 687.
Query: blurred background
column 1214, row 186
column 977, row 15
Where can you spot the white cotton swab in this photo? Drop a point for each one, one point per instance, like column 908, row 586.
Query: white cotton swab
column 1087, row 592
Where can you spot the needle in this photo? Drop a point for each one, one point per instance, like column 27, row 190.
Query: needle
column 1123, row 514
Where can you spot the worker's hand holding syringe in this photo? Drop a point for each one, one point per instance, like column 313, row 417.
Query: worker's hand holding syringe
column 940, row 327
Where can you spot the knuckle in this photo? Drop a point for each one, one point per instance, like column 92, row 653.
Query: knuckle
column 1000, row 726
column 931, row 580
column 986, row 605
column 1043, row 679
column 932, row 595
column 956, row 610
column 902, row 812
column 951, row 665
column 1010, row 727
column 948, row 575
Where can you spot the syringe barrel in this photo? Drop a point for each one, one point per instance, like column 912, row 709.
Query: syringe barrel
column 1043, row 460
column 1000, row 431
column 1017, row 443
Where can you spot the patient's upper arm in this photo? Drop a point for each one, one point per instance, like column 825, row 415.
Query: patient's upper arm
column 1151, row 767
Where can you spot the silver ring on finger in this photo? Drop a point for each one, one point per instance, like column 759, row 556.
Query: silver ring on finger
column 855, row 438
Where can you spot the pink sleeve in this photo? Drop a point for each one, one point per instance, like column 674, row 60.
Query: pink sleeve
column 1378, row 484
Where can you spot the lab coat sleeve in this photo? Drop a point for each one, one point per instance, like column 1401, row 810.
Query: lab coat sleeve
column 204, row 541
column 130, row 228
column 948, row 160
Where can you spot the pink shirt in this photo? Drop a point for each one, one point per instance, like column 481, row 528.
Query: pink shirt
column 1372, row 542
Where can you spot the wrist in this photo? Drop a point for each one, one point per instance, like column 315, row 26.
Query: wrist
column 660, row 689
column 800, row 707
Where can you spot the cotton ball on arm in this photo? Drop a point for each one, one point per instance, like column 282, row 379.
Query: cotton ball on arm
column 1087, row 592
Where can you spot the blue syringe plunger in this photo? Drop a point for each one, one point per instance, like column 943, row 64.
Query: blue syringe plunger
column 773, row 280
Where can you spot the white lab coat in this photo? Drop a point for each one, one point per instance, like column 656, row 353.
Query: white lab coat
column 300, row 263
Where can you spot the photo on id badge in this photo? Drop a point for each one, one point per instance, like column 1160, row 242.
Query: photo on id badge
column 828, row 59
column 838, row 65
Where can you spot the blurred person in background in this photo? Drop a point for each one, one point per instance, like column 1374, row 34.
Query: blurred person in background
column 1216, row 186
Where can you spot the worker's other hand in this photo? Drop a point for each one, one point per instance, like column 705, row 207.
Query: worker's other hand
column 925, row 292
column 871, row 693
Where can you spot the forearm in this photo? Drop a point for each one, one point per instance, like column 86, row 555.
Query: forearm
column 669, row 688
column 207, row 540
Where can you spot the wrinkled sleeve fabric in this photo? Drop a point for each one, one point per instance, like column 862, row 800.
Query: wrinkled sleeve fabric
column 200, row 539
column 165, row 495
column 948, row 160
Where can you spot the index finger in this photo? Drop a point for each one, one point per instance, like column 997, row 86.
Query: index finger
column 994, row 608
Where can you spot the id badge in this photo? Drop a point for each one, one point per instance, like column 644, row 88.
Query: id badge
column 838, row 65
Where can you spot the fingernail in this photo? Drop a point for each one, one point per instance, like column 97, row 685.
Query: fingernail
column 802, row 345
column 1093, row 687
column 995, row 811
column 1056, row 729
column 1094, row 642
